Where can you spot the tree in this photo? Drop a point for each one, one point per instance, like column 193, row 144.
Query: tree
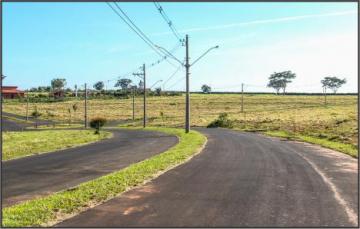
column 141, row 85
column 205, row 88
column 158, row 91
column 35, row 114
column 97, row 123
column 279, row 80
column 123, row 83
column 99, row 85
column 76, row 90
column 334, row 83
column 58, row 84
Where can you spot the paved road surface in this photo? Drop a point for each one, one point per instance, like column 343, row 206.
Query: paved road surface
column 28, row 177
column 240, row 180
column 11, row 125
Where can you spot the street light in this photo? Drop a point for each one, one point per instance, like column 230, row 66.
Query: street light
column 187, row 66
column 215, row 47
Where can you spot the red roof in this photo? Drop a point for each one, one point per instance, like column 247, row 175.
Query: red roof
column 10, row 89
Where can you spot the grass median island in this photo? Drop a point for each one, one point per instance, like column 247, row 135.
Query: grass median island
column 342, row 147
column 47, row 210
column 25, row 143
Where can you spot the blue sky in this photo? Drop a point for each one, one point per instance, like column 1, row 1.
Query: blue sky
column 87, row 42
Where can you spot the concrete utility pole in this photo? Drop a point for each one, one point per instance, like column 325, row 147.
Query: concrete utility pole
column 86, row 124
column 143, row 74
column 133, row 103
column 324, row 90
column 187, row 98
column 27, row 105
column 187, row 66
column 144, row 121
column 242, row 98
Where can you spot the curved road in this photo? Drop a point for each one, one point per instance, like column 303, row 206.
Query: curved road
column 29, row 177
column 240, row 180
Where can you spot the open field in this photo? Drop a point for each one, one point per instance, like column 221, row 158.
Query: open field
column 302, row 114
column 20, row 144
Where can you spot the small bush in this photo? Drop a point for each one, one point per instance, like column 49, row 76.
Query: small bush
column 222, row 121
column 97, row 123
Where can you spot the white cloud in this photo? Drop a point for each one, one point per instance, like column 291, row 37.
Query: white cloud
column 266, row 21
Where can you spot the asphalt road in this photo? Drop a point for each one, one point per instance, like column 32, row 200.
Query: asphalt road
column 11, row 125
column 29, row 177
column 240, row 180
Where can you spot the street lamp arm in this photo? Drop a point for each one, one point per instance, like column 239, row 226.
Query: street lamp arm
column 169, row 54
column 215, row 47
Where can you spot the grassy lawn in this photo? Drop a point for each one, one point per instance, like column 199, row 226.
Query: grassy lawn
column 300, row 114
column 342, row 147
column 25, row 143
column 46, row 211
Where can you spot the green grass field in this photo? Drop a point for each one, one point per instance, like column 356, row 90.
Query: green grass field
column 302, row 114
column 20, row 144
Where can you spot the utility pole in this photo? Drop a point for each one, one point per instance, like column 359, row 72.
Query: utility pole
column 242, row 98
column 187, row 66
column 27, row 105
column 133, row 103
column 85, row 106
column 324, row 90
column 143, row 74
column 187, row 98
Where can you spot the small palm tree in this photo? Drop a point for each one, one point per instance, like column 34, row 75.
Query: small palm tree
column 35, row 114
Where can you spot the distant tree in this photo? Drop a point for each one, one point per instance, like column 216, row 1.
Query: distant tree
column 76, row 90
column 99, row 86
column 279, row 80
column 68, row 90
column 141, row 85
column 75, row 107
column 123, row 83
column 35, row 114
column 334, row 83
column 158, row 91
column 58, row 84
column 205, row 88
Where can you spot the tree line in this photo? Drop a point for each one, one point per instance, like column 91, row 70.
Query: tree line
column 280, row 80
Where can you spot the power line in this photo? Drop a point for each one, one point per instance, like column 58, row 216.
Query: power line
column 181, row 79
column 172, row 75
column 173, row 50
column 138, row 31
column 168, row 21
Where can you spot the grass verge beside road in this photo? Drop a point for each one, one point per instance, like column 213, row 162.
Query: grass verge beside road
column 56, row 126
column 25, row 143
column 48, row 210
column 342, row 147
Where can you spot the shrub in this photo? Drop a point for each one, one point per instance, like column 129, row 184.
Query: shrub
column 97, row 123
column 222, row 121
